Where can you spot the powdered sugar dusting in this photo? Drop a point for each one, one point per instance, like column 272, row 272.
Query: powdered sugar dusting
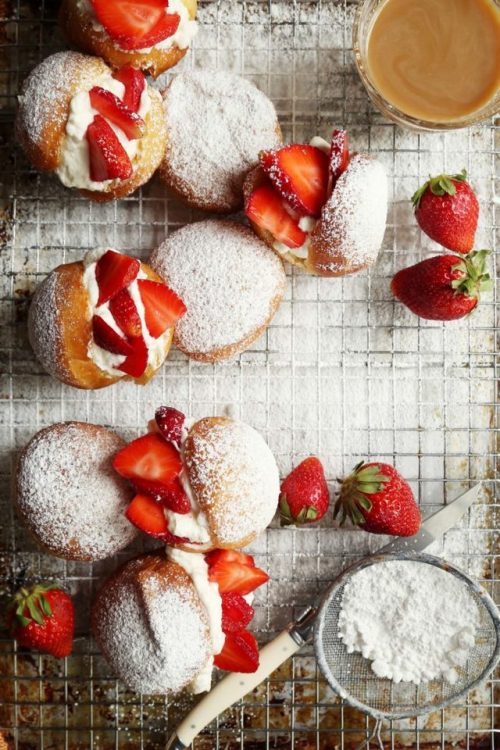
column 47, row 86
column 44, row 332
column 69, row 494
column 217, row 123
column 229, row 460
column 353, row 221
column 227, row 278
column 414, row 621
column 154, row 635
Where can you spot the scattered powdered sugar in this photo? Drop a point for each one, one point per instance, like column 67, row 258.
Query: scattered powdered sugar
column 414, row 621
column 217, row 124
column 153, row 631
column 69, row 494
column 47, row 86
column 353, row 221
column 235, row 477
column 228, row 279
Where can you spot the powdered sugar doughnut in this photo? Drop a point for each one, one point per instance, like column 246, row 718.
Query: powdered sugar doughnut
column 55, row 113
column 151, row 625
column 233, row 483
column 230, row 282
column 349, row 233
column 68, row 495
column 82, row 28
column 216, row 124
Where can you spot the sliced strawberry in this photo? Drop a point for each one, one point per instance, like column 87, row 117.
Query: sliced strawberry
column 108, row 160
column 240, row 653
column 165, row 28
column 136, row 24
column 170, row 422
column 136, row 363
column 113, row 273
column 113, row 109
column 148, row 516
column 233, row 576
column 124, row 311
column 229, row 555
column 339, row 153
column 300, row 174
column 134, row 82
column 162, row 306
column 109, row 339
column 149, row 458
column 236, row 613
column 172, row 495
column 266, row 209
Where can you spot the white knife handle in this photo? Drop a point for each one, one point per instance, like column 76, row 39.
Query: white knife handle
column 231, row 689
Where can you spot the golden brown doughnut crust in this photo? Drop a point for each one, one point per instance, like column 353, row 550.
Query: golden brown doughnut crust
column 136, row 575
column 77, row 26
column 60, row 329
column 44, row 110
column 33, row 514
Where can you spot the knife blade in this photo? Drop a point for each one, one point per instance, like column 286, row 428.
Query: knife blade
column 435, row 526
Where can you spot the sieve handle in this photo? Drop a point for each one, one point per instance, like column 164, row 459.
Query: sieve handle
column 231, row 689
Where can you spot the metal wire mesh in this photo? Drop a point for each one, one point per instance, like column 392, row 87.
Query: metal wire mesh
column 342, row 372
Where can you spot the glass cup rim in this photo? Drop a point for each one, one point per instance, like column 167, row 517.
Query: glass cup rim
column 394, row 113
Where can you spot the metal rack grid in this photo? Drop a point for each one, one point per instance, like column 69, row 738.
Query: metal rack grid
column 342, row 372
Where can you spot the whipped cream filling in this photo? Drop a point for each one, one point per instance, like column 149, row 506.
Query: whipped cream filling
column 74, row 166
column 182, row 38
column 208, row 592
column 106, row 360
column 306, row 223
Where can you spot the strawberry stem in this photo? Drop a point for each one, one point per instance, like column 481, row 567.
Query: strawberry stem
column 353, row 501
column 34, row 600
column 440, row 185
column 475, row 279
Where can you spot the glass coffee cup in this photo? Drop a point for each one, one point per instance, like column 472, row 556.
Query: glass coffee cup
column 430, row 64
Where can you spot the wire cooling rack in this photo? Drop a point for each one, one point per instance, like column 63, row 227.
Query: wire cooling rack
column 342, row 372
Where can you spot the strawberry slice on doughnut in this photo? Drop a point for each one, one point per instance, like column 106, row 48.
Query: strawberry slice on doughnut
column 149, row 458
column 229, row 555
column 136, row 24
column 113, row 109
column 134, row 82
column 162, row 306
column 148, row 516
column 114, row 271
column 124, row 311
column 300, row 174
column 234, row 577
column 339, row 153
column 108, row 160
column 237, row 613
column 137, row 361
column 107, row 338
column 240, row 653
column 172, row 495
column 266, row 209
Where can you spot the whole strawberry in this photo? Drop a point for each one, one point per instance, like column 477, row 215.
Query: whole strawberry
column 377, row 498
column 447, row 210
column 304, row 494
column 42, row 618
column 445, row 287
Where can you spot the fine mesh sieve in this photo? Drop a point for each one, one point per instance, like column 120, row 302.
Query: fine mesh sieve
column 352, row 677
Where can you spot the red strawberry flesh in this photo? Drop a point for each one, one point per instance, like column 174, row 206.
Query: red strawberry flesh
column 170, row 422
column 134, row 82
column 114, row 272
column 172, row 495
column 339, row 153
column 162, row 306
column 113, row 109
column 300, row 174
column 266, row 209
column 108, row 160
column 236, row 613
column 136, row 363
column 229, row 555
column 149, row 458
column 304, row 496
column 42, row 617
column 147, row 515
column 124, row 311
column 240, row 653
column 107, row 338
column 136, row 24
column 233, row 576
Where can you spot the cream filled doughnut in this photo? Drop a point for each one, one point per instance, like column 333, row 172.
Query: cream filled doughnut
column 67, row 494
column 107, row 28
column 99, row 131
column 318, row 206
column 216, row 125
column 108, row 317
column 213, row 484
column 163, row 622
column 230, row 281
